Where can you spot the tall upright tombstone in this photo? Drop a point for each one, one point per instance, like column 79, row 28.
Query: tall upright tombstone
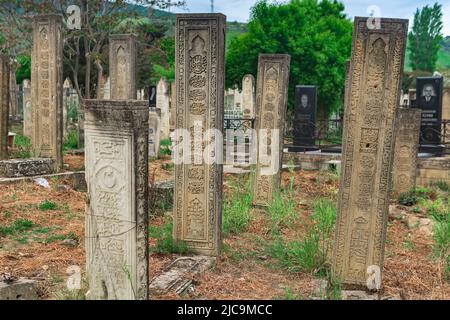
column 162, row 103
column 368, row 146
column 412, row 98
column 4, row 105
column 305, row 119
column 67, row 86
column 116, row 133
column 200, row 77
column 122, row 66
column 13, row 92
column 248, row 96
column 47, row 76
column 27, row 109
column 429, row 100
column 271, row 104
column 406, row 149
column 154, row 132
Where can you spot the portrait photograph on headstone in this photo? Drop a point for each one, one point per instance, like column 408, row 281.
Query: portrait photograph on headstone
column 224, row 155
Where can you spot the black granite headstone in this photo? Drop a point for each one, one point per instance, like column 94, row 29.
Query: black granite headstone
column 429, row 99
column 152, row 96
column 305, row 118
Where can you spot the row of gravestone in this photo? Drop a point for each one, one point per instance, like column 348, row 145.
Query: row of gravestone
column 116, row 148
column 116, row 164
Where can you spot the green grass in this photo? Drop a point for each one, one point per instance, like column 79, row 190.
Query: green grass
column 282, row 209
column 413, row 197
column 165, row 244
column 236, row 209
column 71, row 141
column 48, row 206
column 18, row 227
column 24, row 147
column 310, row 254
column 164, row 148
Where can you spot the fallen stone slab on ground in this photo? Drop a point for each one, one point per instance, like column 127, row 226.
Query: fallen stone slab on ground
column 25, row 167
column 179, row 274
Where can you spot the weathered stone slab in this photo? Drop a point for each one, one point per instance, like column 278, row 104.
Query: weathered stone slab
column 271, row 103
column 446, row 105
column 22, row 289
column 26, row 167
column 47, row 76
column 13, row 92
column 122, row 64
column 406, row 149
column 154, row 132
column 173, row 108
column 199, row 74
column 117, row 210
column 27, row 111
column 179, row 274
column 162, row 103
column 161, row 197
column 368, row 140
column 4, row 105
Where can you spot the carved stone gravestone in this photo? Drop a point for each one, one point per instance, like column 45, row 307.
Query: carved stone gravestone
column 4, row 105
column 67, row 86
column 13, row 93
column 154, row 132
column 47, row 74
column 368, row 140
column 122, row 64
column 248, row 96
column 429, row 100
column 27, row 111
column 406, row 149
column 271, row 103
column 107, row 89
column 116, row 134
column 162, row 103
column 199, row 74
column 305, row 119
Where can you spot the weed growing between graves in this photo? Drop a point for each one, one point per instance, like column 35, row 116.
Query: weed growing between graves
column 165, row 243
column 282, row 210
column 19, row 226
column 310, row 254
column 71, row 142
column 165, row 146
column 48, row 206
column 413, row 197
column 237, row 207
column 24, row 147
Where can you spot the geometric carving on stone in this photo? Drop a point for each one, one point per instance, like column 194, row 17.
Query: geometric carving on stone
column 4, row 105
column 199, row 76
column 122, row 63
column 372, row 99
column 406, row 149
column 271, row 103
column 46, row 74
column 116, row 134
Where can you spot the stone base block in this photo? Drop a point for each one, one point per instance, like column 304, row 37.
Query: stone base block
column 26, row 167
column 161, row 197
column 22, row 289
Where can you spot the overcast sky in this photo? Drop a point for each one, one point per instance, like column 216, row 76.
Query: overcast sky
column 238, row 10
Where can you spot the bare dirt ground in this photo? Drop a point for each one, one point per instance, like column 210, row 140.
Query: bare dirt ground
column 40, row 220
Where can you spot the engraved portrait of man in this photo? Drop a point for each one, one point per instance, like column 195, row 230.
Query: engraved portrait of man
column 428, row 97
column 304, row 101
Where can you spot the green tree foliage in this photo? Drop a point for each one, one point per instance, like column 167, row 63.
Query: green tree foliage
column 317, row 35
column 425, row 38
column 24, row 70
